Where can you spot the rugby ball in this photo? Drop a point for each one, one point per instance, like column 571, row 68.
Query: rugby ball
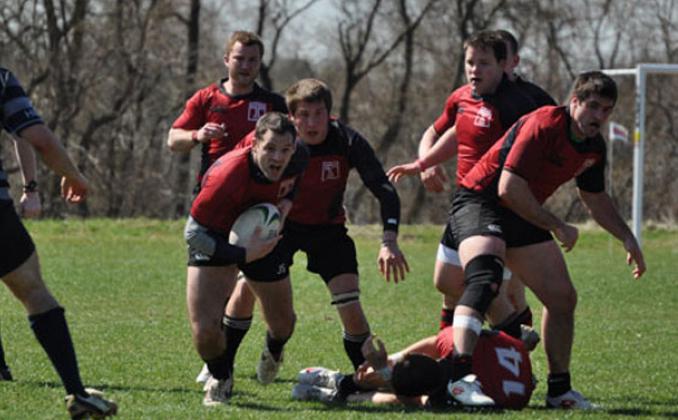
column 265, row 215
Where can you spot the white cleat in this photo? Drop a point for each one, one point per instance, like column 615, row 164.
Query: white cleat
column 306, row 392
column 468, row 392
column 571, row 400
column 268, row 367
column 217, row 392
column 204, row 375
column 319, row 376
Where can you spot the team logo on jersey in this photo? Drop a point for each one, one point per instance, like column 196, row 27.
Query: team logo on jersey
column 255, row 110
column 329, row 170
column 584, row 166
column 286, row 186
column 483, row 117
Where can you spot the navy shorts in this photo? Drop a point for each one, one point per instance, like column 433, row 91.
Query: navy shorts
column 16, row 244
column 329, row 250
column 475, row 213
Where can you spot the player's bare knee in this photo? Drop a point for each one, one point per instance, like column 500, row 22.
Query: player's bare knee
column 483, row 279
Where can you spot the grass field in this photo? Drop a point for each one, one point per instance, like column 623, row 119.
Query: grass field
column 122, row 283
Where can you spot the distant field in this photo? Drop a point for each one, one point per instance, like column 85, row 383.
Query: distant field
column 122, row 283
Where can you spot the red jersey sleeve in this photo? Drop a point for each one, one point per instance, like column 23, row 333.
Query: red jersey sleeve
column 449, row 114
column 193, row 117
column 529, row 148
column 217, row 205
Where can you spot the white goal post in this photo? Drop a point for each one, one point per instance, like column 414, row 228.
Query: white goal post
column 641, row 71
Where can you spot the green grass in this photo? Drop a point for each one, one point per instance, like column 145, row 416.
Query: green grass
column 122, row 283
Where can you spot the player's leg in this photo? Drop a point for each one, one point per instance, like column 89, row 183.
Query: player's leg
column 543, row 270
column 238, row 318
column 278, row 312
column 207, row 288
column 448, row 278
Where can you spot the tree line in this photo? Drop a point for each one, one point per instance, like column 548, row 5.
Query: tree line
column 109, row 77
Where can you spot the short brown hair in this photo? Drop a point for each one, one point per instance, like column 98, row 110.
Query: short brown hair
column 508, row 37
column 308, row 90
column 487, row 40
column 594, row 83
column 245, row 38
column 276, row 122
column 417, row 374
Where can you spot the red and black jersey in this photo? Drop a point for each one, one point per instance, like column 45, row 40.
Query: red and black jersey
column 234, row 183
column 481, row 120
column 239, row 114
column 501, row 363
column 320, row 197
column 540, row 149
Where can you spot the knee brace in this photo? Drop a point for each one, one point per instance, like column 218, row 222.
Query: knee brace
column 482, row 277
column 346, row 298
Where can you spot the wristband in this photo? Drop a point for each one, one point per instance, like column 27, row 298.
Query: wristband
column 31, row 187
column 194, row 137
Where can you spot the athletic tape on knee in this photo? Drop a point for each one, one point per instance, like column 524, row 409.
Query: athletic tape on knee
column 483, row 276
column 468, row 322
column 346, row 298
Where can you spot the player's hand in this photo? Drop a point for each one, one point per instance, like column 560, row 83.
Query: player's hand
column 284, row 206
column 74, row 189
column 392, row 261
column 397, row 172
column 375, row 353
column 567, row 235
column 634, row 255
column 434, row 179
column 30, row 205
column 211, row 131
column 258, row 247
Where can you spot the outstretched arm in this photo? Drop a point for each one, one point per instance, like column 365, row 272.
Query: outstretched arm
column 602, row 210
column 30, row 199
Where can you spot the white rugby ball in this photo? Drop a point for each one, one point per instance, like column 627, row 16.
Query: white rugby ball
column 265, row 215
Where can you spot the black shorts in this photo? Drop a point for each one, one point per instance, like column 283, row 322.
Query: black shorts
column 475, row 213
column 329, row 251
column 16, row 244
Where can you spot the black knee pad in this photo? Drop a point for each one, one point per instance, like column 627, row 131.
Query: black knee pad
column 482, row 278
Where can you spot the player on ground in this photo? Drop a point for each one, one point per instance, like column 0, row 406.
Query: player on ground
column 19, row 267
column 420, row 374
column 475, row 116
column 316, row 224
column 498, row 214
column 266, row 171
column 219, row 116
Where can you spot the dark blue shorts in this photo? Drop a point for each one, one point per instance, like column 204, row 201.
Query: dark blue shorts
column 16, row 244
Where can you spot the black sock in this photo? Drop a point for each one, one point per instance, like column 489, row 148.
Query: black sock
column 235, row 330
column 51, row 330
column 462, row 365
column 353, row 345
column 275, row 346
column 558, row 384
column 347, row 387
column 525, row 317
column 218, row 367
column 510, row 326
column 446, row 317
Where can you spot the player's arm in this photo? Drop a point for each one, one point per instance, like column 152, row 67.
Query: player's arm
column 391, row 260
column 74, row 186
column 433, row 150
column 603, row 211
column 386, row 398
column 181, row 140
column 426, row 346
column 30, row 199
column 515, row 193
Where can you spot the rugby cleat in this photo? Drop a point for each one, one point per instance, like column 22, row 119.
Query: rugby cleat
column 90, row 406
column 6, row 374
column 268, row 367
column 529, row 337
column 467, row 391
column 306, row 392
column 319, row 376
column 204, row 375
column 217, row 391
column 571, row 400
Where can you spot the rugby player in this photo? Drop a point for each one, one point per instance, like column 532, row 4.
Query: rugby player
column 498, row 214
column 266, row 171
column 19, row 266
